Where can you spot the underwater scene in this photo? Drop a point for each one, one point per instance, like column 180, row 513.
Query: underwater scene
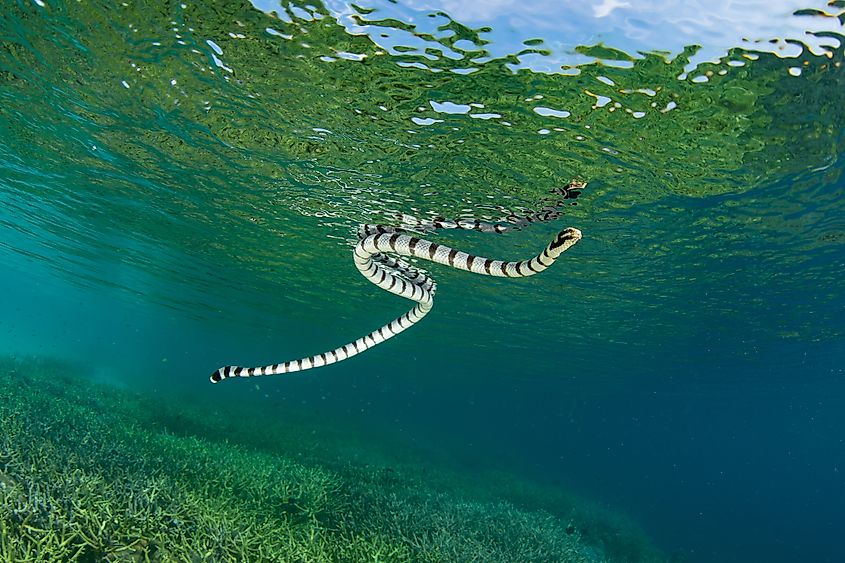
column 223, row 225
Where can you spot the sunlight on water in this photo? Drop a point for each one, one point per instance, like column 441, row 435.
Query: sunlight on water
column 545, row 36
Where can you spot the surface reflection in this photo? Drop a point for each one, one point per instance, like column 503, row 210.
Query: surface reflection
column 545, row 35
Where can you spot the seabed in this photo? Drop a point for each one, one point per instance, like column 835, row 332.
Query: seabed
column 93, row 473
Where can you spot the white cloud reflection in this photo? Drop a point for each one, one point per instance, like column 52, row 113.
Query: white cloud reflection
column 630, row 26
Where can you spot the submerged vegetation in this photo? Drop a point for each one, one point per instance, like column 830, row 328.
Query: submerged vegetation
column 91, row 473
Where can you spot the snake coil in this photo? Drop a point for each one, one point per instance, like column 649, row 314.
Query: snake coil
column 376, row 256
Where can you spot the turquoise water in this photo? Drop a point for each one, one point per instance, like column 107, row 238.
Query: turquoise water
column 180, row 186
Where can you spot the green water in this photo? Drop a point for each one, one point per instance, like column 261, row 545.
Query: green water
column 180, row 186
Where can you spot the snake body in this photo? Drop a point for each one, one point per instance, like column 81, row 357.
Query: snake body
column 376, row 255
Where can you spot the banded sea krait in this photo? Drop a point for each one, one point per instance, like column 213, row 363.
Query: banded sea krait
column 377, row 256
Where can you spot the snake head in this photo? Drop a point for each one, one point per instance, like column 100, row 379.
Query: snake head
column 566, row 238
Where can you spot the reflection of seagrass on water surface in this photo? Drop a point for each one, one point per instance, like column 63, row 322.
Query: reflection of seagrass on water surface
column 204, row 135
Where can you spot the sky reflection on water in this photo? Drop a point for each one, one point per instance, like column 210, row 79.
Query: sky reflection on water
column 784, row 27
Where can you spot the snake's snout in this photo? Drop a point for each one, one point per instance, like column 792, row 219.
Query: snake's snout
column 573, row 233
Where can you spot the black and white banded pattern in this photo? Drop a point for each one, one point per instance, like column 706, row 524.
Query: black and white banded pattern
column 377, row 257
column 508, row 221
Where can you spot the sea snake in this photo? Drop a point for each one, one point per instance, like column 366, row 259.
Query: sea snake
column 375, row 256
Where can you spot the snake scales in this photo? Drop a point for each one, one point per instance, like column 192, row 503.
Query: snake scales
column 376, row 256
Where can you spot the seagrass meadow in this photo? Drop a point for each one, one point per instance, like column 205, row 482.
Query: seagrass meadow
column 536, row 281
column 90, row 473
